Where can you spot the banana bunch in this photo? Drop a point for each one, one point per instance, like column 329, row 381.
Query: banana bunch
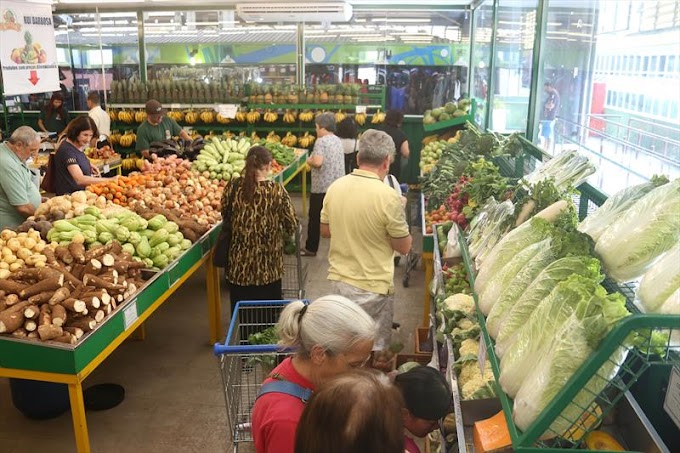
column 207, row 116
column 132, row 163
column 191, row 117
column 360, row 119
column 223, row 119
column 114, row 138
column 378, row 117
column 339, row 116
column 241, row 116
column 289, row 117
column 306, row 140
column 253, row 116
column 126, row 116
column 140, row 116
column 254, row 137
column 128, row 139
column 176, row 115
column 306, row 116
column 112, row 114
column 429, row 139
column 289, row 140
column 272, row 137
column 270, row 117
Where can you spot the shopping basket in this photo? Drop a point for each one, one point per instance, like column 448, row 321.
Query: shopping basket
column 294, row 272
column 244, row 366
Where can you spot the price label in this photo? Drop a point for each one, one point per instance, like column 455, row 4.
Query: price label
column 227, row 110
column 172, row 278
column 130, row 314
column 671, row 403
column 106, row 169
column 206, row 246
column 175, row 106
column 481, row 355
column 361, row 109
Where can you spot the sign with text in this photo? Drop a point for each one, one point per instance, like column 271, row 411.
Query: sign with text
column 28, row 53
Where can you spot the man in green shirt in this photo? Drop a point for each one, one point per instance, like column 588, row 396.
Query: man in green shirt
column 157, row 128
column 19, row 196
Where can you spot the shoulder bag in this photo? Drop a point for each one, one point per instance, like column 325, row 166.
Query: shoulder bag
column 220, row 256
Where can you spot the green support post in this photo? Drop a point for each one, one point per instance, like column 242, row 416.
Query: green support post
column 492, row 65
column 141, row 46
column 536, row 73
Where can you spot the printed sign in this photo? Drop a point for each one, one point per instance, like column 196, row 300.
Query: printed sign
column 28, row 53
column 130, row 314
column 671, row 403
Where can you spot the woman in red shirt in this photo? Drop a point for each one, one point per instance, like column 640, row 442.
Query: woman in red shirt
column 331, row 336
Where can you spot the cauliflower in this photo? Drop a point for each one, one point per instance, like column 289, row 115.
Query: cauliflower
column 468, row 347
column 475, row 385
column 458, row 306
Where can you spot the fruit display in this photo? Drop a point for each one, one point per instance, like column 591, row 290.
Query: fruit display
column 20, row 249
column 187, row 149
column 184, row 91
column 456, row 279
column 103, row 153
column 69, row 206
column 283, row 154
column 449, row 111
column 223, row 159
column 127, row 139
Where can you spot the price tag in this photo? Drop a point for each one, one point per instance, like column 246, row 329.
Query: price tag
column 172, row 278
column 361, row 109
column 106, row 169
column 481, row 355
column 227, row 110
column 671, row 403
column 175, row 106
column 206, row 246
column 130, row 314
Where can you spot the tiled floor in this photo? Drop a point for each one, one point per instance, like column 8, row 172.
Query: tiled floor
column 174, row 402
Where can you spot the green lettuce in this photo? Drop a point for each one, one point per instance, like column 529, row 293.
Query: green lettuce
column 597, row 222
column 643, row 233
column 544, row 283
column 541, row 328
column 567, row 349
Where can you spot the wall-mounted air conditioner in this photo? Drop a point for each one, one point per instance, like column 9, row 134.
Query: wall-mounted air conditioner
column 295, row 12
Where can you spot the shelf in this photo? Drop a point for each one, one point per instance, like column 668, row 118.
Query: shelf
column 443, row 125
column 636, row 363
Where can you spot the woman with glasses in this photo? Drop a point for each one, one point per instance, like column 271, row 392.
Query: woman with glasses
column 330, row 336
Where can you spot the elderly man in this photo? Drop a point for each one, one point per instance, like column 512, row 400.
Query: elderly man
column 366, row 223
column 157, row 128
column 19, row 196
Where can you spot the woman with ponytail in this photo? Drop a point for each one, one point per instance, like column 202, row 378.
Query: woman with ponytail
column 330, row 337
column 261, row 216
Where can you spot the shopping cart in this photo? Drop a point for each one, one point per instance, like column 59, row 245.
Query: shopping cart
column 244, row 366
column 413, row 207
column 294, row 272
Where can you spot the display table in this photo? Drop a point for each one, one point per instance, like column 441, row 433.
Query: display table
column 72, row 364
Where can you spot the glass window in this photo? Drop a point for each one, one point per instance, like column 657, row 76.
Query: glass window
column 481, row 60
column 671, row 66
column 653, row 65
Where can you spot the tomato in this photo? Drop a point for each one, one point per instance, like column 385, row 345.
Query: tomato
column 460, row 220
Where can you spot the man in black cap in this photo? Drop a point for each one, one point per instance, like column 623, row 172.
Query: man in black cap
column 427, row 397
column 157, row 128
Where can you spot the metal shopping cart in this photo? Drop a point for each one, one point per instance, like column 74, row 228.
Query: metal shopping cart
column 294, row 272
column 244, row 366
column 413, row 207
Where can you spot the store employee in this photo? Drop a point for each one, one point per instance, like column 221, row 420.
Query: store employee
column 157, row 128
column 19, row 196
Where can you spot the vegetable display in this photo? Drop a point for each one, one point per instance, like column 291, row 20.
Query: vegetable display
column 223, row 159
column 659, row 290
column 19, row 250
column 631, row 244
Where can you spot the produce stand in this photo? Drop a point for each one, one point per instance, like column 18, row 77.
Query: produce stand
column 620, row 413
column 443, row 125
column 72, row 364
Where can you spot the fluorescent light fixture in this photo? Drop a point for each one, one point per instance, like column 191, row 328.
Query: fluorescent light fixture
column 507, row 22
column 76, row 2
column 359, row 20
column 161, row 14
column 554, row 24
column 416, row 20
column 115, row 14
column 387, row 38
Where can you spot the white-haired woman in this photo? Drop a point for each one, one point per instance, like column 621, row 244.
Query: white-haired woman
column 330, row 336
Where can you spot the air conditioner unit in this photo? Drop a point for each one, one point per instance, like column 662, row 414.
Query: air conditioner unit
column 295, row 12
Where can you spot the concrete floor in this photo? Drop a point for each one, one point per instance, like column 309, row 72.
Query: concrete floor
column 174, row 402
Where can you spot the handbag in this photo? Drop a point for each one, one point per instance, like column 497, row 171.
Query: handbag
column 48, row 180
column 220, row 256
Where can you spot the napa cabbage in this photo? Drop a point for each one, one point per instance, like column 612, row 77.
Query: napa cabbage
column 661, row 283
column 643, row 233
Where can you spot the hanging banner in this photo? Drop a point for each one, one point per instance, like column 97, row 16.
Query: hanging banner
column 28, row 52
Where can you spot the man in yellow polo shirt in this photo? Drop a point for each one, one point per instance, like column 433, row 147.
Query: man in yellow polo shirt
column 365, row 220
